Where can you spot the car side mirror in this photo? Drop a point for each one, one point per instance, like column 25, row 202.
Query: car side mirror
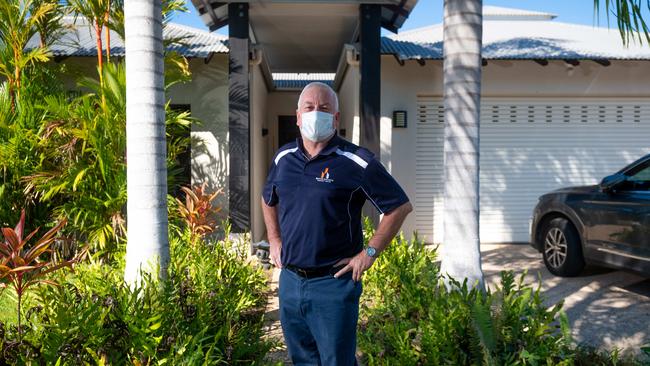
column 610, row 182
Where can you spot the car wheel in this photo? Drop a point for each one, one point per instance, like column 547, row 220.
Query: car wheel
column 561, row 248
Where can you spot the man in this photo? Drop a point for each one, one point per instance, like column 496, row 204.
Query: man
column 312, row 204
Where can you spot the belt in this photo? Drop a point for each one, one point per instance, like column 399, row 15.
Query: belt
column 314, row 272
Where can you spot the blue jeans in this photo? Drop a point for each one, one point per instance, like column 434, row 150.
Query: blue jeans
column 319, row 318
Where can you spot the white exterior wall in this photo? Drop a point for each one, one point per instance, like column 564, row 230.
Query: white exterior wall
column 506, row 80
column 399, row 90
column 207, row 95
column 349, row 104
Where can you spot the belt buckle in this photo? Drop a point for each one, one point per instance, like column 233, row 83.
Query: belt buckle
column 302, row 272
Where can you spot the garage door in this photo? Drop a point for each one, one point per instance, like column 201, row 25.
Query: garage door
column 528, row 147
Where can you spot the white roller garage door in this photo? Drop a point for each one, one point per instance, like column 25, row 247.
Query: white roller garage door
column 528, row 147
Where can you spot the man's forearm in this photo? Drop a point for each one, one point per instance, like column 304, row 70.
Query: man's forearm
column 271, row 220
column 389, row 226
column 273, row 233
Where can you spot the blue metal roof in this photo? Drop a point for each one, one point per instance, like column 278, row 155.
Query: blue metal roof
column 300, row 80
column 514, row 34
column 411, row 51
column 79, row 40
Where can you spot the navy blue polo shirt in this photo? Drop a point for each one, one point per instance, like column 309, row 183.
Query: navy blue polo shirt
column 320, row 200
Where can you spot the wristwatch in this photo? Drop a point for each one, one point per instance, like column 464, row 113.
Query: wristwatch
column 371, row 252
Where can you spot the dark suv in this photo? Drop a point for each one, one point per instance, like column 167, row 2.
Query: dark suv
column 606, row 224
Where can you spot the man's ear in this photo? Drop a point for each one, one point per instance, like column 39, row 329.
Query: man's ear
column 337, row 120
column 298, row 118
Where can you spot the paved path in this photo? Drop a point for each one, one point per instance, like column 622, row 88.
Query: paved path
column 272, row 327
column 605, row 308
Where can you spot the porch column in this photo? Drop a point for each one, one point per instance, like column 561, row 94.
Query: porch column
column 239, row 118
column 370, row 88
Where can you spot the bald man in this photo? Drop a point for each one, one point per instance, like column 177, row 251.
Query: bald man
column 312, row 201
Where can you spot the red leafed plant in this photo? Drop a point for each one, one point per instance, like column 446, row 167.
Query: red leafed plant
column 21, row 267
column 197, row 211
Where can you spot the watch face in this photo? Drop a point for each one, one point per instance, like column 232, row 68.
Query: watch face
column 371, row 251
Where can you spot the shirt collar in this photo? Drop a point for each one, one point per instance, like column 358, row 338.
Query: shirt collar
column 330, row 148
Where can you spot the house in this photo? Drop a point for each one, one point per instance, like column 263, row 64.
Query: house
column 563, row 104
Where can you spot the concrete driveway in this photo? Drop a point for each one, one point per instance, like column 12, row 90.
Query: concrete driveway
column 606, row 308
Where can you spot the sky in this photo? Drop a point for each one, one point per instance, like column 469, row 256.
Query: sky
column 428, row 12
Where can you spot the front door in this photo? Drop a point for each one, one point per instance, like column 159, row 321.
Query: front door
column 288, row 130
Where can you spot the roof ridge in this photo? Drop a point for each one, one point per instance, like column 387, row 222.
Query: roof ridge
column 221, row 37
column 414, row 31
column 591, row 27
column 198, row 31
column 518, row 11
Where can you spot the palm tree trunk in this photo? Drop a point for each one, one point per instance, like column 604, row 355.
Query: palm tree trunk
column 460, row 254
column 108, row 33
column 147, row 240
column 17, row 75
column 100, row 61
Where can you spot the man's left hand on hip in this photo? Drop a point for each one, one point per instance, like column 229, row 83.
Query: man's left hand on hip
column 357, row 264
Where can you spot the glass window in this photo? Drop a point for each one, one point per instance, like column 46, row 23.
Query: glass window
column 639, row 178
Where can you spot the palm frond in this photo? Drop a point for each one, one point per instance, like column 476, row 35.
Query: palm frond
column 482, row 324
column 629, row 15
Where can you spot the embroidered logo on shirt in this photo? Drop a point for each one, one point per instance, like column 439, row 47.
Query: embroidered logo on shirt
column 325, row 176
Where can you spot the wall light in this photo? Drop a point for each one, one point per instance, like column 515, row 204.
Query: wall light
column 399, row 119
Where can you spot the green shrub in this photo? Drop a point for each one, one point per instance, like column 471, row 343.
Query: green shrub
column 409, row 316
column 209, row 310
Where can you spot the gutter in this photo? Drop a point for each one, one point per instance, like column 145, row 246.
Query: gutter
column 349, row 57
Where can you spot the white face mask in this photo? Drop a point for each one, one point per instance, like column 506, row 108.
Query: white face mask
column 317, row 126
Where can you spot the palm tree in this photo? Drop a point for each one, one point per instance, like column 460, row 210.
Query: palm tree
column 147, row 240
column 96, row 12
column 460, row 254
column 19, row 22
column 49, row 27
column 629, row 18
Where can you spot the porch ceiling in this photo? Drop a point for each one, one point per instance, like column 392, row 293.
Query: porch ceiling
column 304, row 36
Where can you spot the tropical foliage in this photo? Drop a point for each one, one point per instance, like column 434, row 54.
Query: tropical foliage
column 208, row 311
column 19, row 22
column 630, row 18
column 197, row 211
column 62, row 158
column 409, row 316
column 62, row 153
column 21, row 266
